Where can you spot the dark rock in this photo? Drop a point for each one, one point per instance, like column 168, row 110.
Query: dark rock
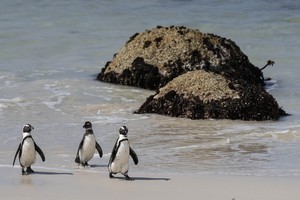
column 203, row 95
column 168, row 52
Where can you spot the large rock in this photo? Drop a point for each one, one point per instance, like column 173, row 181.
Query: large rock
column 153, row 58
column 196, row 75
column 203, row 95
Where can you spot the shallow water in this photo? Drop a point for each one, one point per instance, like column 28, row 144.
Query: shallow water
column 52, row 51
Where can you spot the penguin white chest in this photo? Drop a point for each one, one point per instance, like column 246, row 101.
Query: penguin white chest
column 120, row 164
column 28, row 156
column 87, row 151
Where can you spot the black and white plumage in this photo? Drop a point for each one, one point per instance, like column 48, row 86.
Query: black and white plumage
column 119, row 159
column 87, row 146
column 27, row 151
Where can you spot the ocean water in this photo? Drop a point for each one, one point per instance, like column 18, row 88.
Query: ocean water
column 52, row 51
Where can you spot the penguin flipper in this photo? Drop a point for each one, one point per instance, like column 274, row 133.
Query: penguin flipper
column 39, row 150
column 134, row 156
column 99, row 149
column 18, row 150
column 77, row 159
column 113, row 153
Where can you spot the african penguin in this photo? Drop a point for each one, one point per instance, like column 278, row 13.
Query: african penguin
column 87, row 146
column 119, row 159
column 26, row 151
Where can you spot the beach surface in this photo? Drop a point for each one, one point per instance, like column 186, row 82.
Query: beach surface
column 84, row 184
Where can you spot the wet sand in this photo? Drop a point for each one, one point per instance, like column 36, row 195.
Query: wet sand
column 84, row 184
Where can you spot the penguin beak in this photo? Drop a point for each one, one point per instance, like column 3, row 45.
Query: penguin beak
column 31, row 126
column 87, row 125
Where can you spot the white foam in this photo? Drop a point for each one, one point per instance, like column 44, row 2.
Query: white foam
column 3, row 106
column 3, row 76
column 271, row 85
column 59, row 95
column 98, row 96
column 12, row 100
column 5, row 103
column 55, row 101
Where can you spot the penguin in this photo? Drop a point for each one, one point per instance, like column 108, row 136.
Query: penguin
column 119, row 159
column 87, row 146
column 27, row 151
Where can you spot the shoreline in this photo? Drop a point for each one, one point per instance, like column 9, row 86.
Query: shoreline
column 56, row 184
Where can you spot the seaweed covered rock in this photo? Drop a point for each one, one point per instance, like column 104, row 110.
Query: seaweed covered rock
column 203, row 95
column 153, row 58
column 196, row 75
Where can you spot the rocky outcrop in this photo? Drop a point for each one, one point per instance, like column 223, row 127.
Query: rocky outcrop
column 196, row 75
column 203, row 95
column 153, row 58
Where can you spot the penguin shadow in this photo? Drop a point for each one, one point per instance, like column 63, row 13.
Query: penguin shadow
column 142, row 179
column 97, row 166
column 150, row 179
column 52, row 173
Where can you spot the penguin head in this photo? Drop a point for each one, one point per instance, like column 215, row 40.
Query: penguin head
column 87, row 125
column 123, row 130
column 27, row 128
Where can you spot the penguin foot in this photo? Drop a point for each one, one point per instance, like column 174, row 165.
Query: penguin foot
column 128, row 178
column 86, row 164
column 29, row 170
column 24, row 172
column 111, row 176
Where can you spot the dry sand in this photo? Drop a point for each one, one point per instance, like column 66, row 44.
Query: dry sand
column 84, row 184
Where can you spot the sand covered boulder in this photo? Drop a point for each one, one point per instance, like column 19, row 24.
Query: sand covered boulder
column 153, row 58
column 204, row 95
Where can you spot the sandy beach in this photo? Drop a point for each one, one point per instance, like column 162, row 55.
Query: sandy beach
column 51, row 54
column 81, row 184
